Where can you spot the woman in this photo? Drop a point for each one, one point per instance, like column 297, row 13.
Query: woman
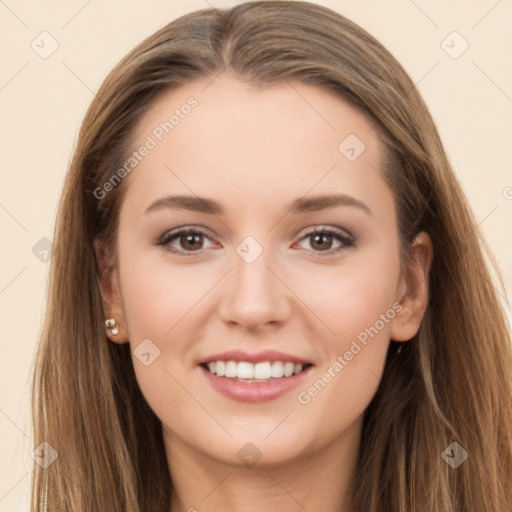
column 204, row 351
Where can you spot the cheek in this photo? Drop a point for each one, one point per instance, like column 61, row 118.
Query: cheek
column 357, row 308
column 159, row 307
column 353, row 298
column 156, row 294
column 356, row 304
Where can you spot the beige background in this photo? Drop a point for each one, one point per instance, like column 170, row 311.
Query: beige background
column 43, row 101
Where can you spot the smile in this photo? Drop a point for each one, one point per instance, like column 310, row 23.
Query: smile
column 254, row 383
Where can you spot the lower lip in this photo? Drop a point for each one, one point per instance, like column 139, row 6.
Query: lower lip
column 254, row 392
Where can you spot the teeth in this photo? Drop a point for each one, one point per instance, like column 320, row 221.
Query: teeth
column 220, row 368
column 245, row 370
column 288, row 369
column 231, row 369
column 254, row 372
column 277, row 370
column 262, row 370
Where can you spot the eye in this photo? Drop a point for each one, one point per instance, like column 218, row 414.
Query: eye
column 189, row 239
column 322, row 238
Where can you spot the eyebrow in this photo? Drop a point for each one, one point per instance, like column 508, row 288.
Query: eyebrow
column 300, row 205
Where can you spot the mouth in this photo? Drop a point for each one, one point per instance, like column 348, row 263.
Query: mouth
column 253, row 383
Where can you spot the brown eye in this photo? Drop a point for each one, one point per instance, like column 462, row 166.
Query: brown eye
column 184, row 241
column 321, row 241
column 191, row 241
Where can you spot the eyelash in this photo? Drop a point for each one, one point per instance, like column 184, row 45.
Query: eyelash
column 346, row 240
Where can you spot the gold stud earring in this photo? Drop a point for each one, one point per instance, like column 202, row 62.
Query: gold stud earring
column 111, row 326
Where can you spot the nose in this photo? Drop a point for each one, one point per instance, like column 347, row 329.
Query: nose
column 255, row 296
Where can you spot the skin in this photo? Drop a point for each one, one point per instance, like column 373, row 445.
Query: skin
column 255, row 151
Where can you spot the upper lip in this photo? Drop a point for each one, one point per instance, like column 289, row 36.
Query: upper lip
column 255, row 357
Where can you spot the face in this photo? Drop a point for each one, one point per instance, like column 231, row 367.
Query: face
column 251, row 284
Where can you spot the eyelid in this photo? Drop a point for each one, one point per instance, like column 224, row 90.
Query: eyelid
column 325, row 228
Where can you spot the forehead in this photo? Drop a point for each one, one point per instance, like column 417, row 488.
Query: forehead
column 230, row 137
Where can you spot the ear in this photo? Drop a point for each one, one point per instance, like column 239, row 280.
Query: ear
column 413, row 289
column 110, row 293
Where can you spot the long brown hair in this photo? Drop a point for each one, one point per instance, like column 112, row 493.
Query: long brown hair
column 453, row 385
